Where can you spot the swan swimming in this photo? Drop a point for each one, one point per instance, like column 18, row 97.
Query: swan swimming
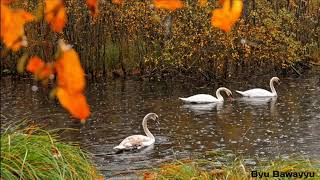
column 139, row 141
column 258, row 92
column 206, row 98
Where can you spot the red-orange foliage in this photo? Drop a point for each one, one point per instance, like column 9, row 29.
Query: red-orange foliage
column 12, row 27
column 203, row 2
column 117, row 1
column 55, row 14
column 93, row 7
column 71, row 83
column 168, row 4
column 225, row 17
column 7, row 1
column 35, row 64
column 39, row 68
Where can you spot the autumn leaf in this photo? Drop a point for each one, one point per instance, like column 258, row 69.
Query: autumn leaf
column 225, row 17
column 69, row 71
column 35, row 64
column 39, row 68
column 93, row 7
column 71, row 82
column 12, row 27
column 75, row 103
column 117, row 1
column 31, row 129
column 55, row 14
column 45, row 72
column 203, row 3
column 168, row 4
column 7, row 1
column 149, row 176
column 55, row 152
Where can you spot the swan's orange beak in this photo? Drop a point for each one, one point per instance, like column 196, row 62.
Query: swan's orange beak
column 230, row 97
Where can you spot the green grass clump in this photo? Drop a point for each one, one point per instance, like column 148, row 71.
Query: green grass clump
column 223, row 167
column 33, row 153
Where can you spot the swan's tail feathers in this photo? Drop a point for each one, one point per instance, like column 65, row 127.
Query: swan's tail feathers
column 183, row 99
column 241, row 92
column 120, row 147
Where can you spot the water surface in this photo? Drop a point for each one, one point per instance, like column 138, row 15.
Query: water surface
column 255, row 128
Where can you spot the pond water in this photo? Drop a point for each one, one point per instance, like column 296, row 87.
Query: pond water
column 255, row 128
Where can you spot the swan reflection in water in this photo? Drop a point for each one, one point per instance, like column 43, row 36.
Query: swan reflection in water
column 260, row 102
column 203, row 108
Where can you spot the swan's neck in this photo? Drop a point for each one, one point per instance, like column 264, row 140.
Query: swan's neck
column 145, row 128
column 273, row 90
column 219, row 97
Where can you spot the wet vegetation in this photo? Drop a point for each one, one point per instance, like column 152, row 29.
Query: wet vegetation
column 33, row 153
column 221, row 165
column 136, row 39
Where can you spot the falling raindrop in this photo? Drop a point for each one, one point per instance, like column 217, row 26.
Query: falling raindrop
column 51, row 76
column 243, row 41
column 34, row 88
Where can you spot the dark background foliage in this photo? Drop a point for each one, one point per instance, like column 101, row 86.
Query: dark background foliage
column 272, row 36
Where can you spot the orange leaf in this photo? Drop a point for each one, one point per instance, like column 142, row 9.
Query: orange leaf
column 71, row 82
column 45, row 72
column 76, row 104
column 12, row 27
column 35, row 64
column 203, row 2
column 168, row 4
column 117, row 1
column 225, row 17
column 7, row 1
column 149, row 176
column 69, row 71
column 39, row 68
column 93, row 7
column 55, row 14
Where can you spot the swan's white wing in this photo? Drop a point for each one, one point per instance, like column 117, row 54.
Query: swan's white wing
column 200, row 98
column 257, row 92
column 134, row 141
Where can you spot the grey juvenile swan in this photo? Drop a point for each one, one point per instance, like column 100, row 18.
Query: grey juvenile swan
column 139, row 141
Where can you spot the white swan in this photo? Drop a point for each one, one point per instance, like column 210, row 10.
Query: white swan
column 206, row 98
column 257, row 92
column 139, row 141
